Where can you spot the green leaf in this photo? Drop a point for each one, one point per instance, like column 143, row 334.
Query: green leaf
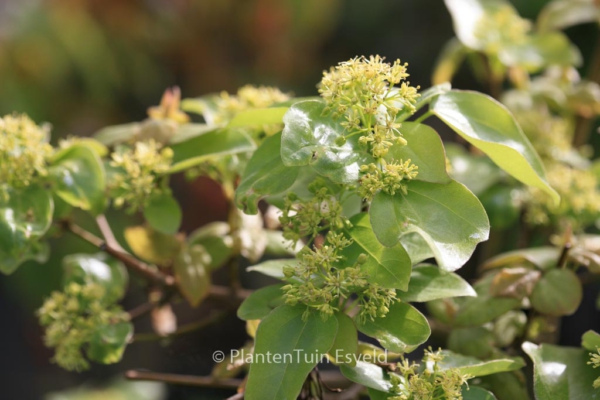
column 417, row 248
column 221, row 142
column 489, row 126
column 345, row 346
column 273, row 268
column 540, row 51
column 475, row 367
column 476, row 393
column 502, row 205
column 558, row 292
column 543, row 258
column 449, row 217
column 386, row 266
column 258, row 116
column 191, row 273
column 279, row 246
column 79, row 177
column 114, row 134
column 477, row 173
column 204, row 105
column 429, row 282
column 475, row 342
column 109, row 341
column 261, row 302
column 264, row 175
column 429, row 94
column 467, row 16
column 561, row 14
column 561, row 372
column 97, row 268
column 402, row 330
column 368, row 375
column 163, row 213
column 590, row 341
column 216, row 240
column 186, row 132
column 475, row 311
column 448, row 62
column 311, row 138
column 298, row 341
column 24, row 217
column 425, row 150
column 152, row 246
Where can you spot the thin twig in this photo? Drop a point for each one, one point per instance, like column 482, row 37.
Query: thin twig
column 132, row 263
column 188, row 380
column 562, row 260
column 191, row 327
column 108, row 234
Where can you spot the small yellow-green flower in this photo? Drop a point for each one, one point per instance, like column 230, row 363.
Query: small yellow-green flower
column 247, row 97
column 24, row 149
column 138, row 170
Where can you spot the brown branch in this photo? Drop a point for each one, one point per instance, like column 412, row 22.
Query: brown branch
column 213, row 318
column 188, row 380
column 107, row 233
column 132, row 263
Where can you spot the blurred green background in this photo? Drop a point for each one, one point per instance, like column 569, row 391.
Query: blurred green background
column 85, row 64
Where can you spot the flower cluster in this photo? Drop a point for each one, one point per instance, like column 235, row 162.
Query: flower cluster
column 319, row 281
column 71, row 317
column 551, row 136
column 137, row 172
column 24, row 149
column 595, row 362
column 580, row 198
column 362, row 91
column 391, row 178
column 500, row 28
column 431, row 383
column 302, row 218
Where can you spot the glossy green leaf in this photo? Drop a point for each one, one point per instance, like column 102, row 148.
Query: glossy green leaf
column 476, row 393
column 386, row 266
column 261, row 302
column 163, row 213
column 345, row 346
column 425, row 150
column 369, row 375
column 265, row 175
column 489, row 126
column 558, row 292
column 540, row 51
column 216, row 240
column 475, row 367
column 449, row 217
column 24, row 217
column 97, row 268
column 109, row 341
column 561, row 372
column 79, row 177
column 475, row 342
column 429, row 282
column 273, row 268
column 449, row 61
column 560, row 14
column 258, row 116
column 402, row 330
column 286, row 333
column 311, row 138
column 221, row 142
column 590, row 341
column 191, row 272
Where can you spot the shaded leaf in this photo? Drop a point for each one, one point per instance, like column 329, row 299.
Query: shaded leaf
column 109, row 341
column 216, row 240
column 163, row 213
column 429, row 282
column 475, row 367
column 558, row 292
column 345, row 346
column 97, row 268
column 542, row 257
column 273, row 268
column 152, row 246
column 190, row 268
column 591, row 341
column 560, row 14
column 261, row 302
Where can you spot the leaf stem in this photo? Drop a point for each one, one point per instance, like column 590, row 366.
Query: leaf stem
column 423, row 117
